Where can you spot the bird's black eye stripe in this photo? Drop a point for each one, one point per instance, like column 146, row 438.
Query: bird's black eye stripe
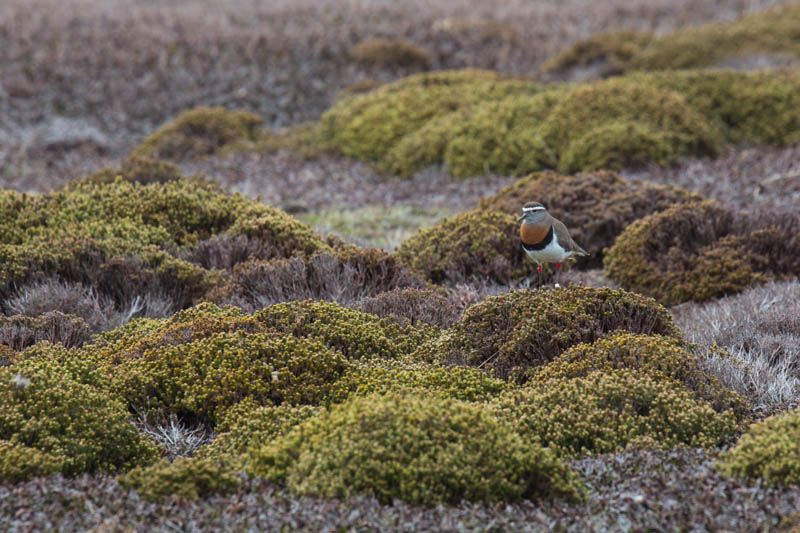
column 541, row 245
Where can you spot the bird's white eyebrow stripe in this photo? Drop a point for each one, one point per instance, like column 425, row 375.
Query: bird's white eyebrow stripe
column 535, row 208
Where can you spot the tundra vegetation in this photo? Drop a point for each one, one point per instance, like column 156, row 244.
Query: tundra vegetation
column 174, row 342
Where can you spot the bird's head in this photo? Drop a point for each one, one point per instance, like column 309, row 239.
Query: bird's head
column 533, row 212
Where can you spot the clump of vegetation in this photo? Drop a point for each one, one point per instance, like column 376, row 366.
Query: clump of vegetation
column 610, row 411
column 507, row 335
column 187, row 478
column 769, row 450
column 479, row 243
column 699, row 251
column 126, row 240
column 390, row 53
column 202, row 361
column 420, row 449
column 19, row 332
column 57, row 415
column 476, row 124
column 413, row 306
column 200, row 132
column 139, row 169
column 595, row 206
column 345, row 275
column 771, row 32
column 355, row 334
column 654, row 355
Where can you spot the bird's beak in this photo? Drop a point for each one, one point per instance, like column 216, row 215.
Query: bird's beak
column 520, row 218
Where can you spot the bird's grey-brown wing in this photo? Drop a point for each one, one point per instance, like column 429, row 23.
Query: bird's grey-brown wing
column 565, row 240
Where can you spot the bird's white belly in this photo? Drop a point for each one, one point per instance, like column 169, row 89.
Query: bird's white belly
column 552, row 253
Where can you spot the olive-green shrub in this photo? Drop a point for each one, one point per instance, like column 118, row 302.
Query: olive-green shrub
column 701, row 250
column 390, row 53
column 595, row 206
column 610, row 411
column 654, row 355
column 506, row 335
column 476, row 244
column 420, row 449
column 199, row 132
column 58, row 414
column 188, row 478
column 769, row 450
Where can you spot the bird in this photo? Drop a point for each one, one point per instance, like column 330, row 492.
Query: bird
column 544, row 238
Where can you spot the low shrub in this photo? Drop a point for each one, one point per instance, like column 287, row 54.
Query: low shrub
column 58, row 413
column 507, row 335
column 344, row 276
column 202, row 361
column 475, row 244
column 390, row 53
column 19, row 463
column 699, row 251
column 199, row 132
column 419, row 449
column 412, row 306
column 654, row 355
column 19, row 332
column 139, row 169
column 595, row 206
column 187, row 478
column 606, row 412
column 355, row 334
column 769, row 450
column 605, row 54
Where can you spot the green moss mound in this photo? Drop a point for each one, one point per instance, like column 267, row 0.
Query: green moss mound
column 769, row 450
column 187, row 478
column 57, row 414
column 355, row 334
column 390, row 53
column 772, row 33
column 654, row 355
column 476, row 244
column 507, row 335
column 139, row 169
column 419, row 449
column 699, row 251
column 610, row 411
column 475, row 123
column 124, row 239
column 202, row 361
column 199, row 132
column 595, row 206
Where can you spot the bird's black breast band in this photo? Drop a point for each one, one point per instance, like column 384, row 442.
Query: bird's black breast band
column 541, row 245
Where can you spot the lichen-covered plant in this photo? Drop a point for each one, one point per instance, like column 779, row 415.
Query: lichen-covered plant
column 420, row 449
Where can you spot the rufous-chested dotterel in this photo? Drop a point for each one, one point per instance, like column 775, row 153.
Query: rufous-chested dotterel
column 545, row 239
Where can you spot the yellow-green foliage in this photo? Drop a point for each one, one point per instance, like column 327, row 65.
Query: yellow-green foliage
column 57, row 413
column 366, row 126
column 772, row 32
column 188, row 478
column 770, row 450
column 700, row 251
column 86, row 231
column 19, row 462
column 199, row 132
column 611, row 411
column 355, row 334
column 140, row 169
column 609, row 51
column 420, row 449
column 508, row 334
column 388, row 53
column 474, row 122
column 479, row 243
column 654, row 355
column 247, row 425
column 460, row 383
column 595, row 206
column 202, row 361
